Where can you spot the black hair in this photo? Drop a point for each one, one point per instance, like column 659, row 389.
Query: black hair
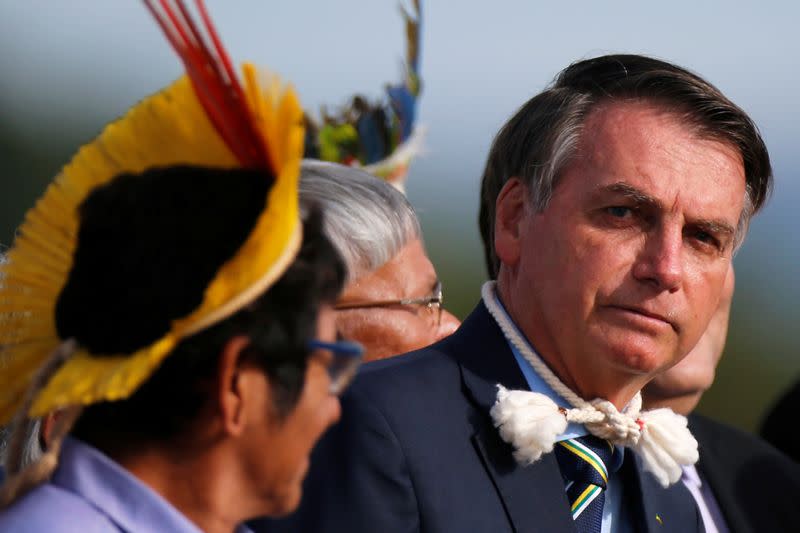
column 148, row 244
column 116, row 301
column 539, row 140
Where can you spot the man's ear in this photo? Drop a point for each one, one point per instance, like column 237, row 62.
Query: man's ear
column 48, row 424
column 234, row 385
column 509, row 214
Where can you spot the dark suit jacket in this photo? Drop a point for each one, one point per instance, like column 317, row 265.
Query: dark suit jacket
column 416, row 451
column 756, row 486
column 784, row 436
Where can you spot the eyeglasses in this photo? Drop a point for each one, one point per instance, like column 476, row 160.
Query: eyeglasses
column 433, row 303
column 347, row 358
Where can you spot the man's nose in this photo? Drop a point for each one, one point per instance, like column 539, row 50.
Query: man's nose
column 447, row 326
column 660, row 263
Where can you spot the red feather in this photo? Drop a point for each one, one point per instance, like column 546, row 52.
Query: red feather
column 214, row 80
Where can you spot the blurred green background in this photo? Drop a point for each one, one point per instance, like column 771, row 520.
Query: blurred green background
column 70, row 67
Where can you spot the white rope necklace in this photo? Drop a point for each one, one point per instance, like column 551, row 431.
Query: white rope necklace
column 531, row 422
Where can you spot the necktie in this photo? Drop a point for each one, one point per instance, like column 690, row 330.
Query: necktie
column 583, row 462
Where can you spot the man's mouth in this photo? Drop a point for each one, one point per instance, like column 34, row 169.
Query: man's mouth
column 647, row 315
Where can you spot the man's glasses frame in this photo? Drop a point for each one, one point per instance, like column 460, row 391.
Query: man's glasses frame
column 433, row 301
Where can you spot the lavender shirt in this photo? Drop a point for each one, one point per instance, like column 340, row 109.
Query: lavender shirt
column 90, row 493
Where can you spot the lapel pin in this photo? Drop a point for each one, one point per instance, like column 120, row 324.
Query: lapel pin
column 658, row 519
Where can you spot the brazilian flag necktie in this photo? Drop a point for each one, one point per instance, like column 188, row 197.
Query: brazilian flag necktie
column 584, row 465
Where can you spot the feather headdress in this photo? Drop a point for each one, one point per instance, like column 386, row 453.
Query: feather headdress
column 206, row 118
column 381, row 137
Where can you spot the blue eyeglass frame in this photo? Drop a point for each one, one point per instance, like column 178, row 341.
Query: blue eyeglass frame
column 347, row 357
column 338, row 348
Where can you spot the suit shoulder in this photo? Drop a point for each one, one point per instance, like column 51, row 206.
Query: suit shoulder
column 712, row 433
column 55, row 510
column 741, row 450
column 407, row 372
column 422, row 387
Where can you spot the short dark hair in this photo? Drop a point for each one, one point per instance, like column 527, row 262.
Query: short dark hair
column 172, row 207
column 539, row 140
column 148, row 245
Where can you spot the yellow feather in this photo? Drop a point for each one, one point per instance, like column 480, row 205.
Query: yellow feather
column 168, row 128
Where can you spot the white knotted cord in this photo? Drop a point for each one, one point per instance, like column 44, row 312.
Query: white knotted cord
column 531, row 422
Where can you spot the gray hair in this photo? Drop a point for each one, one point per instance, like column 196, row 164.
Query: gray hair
column 367, row 220
column 541, row 138
column 31, row 449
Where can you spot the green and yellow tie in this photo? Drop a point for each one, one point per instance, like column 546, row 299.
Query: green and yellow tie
column 583, row 462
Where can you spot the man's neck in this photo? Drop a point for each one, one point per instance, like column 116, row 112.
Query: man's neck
column 192, row 482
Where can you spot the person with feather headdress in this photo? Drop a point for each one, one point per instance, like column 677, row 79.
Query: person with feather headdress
column 164, row 298
column 392, row 299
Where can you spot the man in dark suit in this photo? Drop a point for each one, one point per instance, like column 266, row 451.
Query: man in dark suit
column 625, row 187
column 741, row 483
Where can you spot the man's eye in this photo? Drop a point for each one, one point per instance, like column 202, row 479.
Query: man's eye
column 619, row 211
column 706, row 238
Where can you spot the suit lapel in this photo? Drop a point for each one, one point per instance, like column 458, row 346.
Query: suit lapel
column 656, row 509
column 528, row 494
column 716, row 475
column 648, row 512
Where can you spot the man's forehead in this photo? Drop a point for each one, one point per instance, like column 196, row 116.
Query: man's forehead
column 626, row 131
column 616, row 117
column 644, row 152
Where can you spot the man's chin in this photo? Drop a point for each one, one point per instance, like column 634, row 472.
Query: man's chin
column 639, row 356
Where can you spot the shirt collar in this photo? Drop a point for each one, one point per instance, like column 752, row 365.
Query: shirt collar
column 691, row 476
column 116, row 493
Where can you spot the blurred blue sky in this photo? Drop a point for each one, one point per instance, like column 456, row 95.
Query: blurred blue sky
column 79, row 64
column 69, row 67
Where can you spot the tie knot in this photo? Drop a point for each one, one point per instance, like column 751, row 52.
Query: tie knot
column 585, row 459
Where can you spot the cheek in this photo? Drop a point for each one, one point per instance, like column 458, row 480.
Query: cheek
column 314, row 413
column 605, row 270
column 586, row 279
column 581, row 263
column 412, row 332
column 317, row 415
column 371, row 334
column 703, row 289
column 387, row 333
column 317, row 407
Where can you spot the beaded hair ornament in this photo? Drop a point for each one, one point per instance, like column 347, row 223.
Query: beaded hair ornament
column 380, row 137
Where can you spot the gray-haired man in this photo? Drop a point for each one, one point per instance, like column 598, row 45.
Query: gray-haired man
column 391, row 302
